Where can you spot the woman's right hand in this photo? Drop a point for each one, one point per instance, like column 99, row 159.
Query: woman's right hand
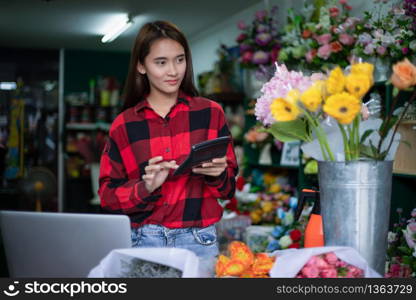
column 157, row 172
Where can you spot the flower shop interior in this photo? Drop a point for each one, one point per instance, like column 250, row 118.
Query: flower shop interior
column 318, row 96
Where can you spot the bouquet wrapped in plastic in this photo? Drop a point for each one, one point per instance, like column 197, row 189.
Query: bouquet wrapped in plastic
column 321, row 262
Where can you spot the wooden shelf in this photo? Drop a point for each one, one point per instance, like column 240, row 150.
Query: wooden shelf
column 409, row 122
column 405, row 175
column 88, row 126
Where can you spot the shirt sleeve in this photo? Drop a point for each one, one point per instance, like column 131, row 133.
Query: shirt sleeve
column 223, row 186
column 119, row 193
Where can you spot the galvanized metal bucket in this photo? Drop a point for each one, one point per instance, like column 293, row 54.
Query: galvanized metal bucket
column 355, row 207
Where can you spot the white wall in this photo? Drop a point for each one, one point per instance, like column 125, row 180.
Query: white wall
column 205, row 44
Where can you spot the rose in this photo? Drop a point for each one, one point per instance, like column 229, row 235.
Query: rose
column 285, row 241
column 395, row 270
column 310, row 272
column 295, row 235
column 335, row 47
column 321, row 263
column 334, row 12
column 324, row 51
column 404, row 74
column 329, row 273
column 331, row 258
column 294, row 246
column 323, row 39
column 340, row 264
column 346, row 39
column 354, row 272
column 318, row 262
column 241, row 37
column 310, row 55
column 247, row 57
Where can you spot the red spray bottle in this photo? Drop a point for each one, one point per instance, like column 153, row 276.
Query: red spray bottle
column 314, row 234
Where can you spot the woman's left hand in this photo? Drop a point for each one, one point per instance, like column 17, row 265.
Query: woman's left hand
column 213, row 168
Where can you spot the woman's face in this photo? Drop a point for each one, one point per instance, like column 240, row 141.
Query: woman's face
column 165, row 66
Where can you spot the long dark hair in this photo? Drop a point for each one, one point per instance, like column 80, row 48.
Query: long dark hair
column 137, row 85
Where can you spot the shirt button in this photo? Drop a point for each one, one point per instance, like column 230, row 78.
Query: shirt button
column 165, row 204
column 167, row 149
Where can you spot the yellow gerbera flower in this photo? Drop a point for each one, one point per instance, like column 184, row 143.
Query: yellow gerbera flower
column 312, row 97
column 335, row 82
column 343, row 107
column 357, row 84
column 363, row 68
column 293, row 96
column 284, row 111
column 269, row 178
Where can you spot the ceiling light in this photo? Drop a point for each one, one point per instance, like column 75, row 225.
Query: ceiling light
column 8, row 86
column 117, row 29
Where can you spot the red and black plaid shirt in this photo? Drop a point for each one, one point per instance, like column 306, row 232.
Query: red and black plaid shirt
column 139, row 134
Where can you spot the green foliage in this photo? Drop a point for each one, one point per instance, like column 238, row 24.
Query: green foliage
column 290, row 131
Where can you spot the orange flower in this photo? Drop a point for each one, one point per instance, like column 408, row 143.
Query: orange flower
column 234, row 268
column 241, row 252
column 243, row 263
column 248, row 273
column 404, row 74
column 255, row 136
column 336, row 47
column 222, row 261
column 262, row 264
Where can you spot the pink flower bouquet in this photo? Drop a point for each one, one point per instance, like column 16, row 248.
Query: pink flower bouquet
column 328, row 265
column 259, row 42
column 321, row 262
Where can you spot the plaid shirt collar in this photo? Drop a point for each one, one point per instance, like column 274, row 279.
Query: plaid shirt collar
column 182, row 98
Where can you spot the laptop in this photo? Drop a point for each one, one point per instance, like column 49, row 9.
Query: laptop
column 44, row 244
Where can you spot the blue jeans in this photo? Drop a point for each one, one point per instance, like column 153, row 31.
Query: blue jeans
column 201, row 240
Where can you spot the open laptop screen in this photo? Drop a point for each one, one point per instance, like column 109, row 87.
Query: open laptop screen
column 60, row 244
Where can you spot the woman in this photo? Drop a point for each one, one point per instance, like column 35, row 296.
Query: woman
column 161, row 119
